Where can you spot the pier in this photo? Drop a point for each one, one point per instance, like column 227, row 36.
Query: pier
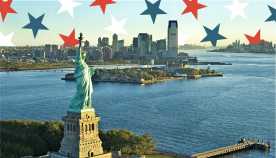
column 243, row 144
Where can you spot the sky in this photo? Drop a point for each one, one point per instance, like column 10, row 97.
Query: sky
column 92, row 22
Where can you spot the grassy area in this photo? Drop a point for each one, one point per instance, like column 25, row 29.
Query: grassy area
column 132, row 75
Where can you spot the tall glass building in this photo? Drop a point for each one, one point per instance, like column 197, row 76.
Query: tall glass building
column 172, row 39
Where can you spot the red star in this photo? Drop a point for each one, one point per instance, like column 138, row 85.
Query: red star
column 69, row 41
column 254, row 40
column 193, row 6
column 5, row 8
column 102, row 4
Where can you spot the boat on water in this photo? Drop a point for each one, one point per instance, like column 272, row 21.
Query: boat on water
column 69, row 77
column 180, row 75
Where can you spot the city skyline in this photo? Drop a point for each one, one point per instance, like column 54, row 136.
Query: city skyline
column 191, row 31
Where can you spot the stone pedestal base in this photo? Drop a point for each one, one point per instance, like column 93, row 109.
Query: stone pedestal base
column 81, row 136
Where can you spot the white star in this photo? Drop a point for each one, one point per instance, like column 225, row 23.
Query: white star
column 68, row 6
column 6, row 40
column 237, row 9
column 117, row 26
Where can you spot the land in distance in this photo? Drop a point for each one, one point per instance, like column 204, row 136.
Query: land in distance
column 147, row 76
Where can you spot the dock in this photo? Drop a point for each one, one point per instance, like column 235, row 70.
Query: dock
column 243, row 144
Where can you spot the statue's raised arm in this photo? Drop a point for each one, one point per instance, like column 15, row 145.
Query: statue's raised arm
column 79, row 53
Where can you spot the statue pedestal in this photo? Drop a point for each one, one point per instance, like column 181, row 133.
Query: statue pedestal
column 81, row 136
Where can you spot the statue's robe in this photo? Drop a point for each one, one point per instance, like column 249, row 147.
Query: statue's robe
column 83, row 74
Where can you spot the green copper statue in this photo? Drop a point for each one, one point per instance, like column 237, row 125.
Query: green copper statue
column 83, row 74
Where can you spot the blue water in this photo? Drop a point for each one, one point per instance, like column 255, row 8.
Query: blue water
column 184, row 116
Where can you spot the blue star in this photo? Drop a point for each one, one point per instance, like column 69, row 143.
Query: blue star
column 153, row 10
column 273, row 14
column 212, row 35
column 35, row 24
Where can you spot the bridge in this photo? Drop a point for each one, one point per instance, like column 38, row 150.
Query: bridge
column 244, row 144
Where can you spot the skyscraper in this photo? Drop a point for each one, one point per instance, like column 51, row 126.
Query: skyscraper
column 154, row 48
column 115, row 43
column 135, row 45
column 144, row 44
column 161, row 45
column 86, row 45
column 121, row 44
column 51, row 51
column 99, row 42
column 172, row 39
column 107, row 53
column 105, row 41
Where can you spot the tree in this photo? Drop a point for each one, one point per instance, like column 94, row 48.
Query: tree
column 37, row 138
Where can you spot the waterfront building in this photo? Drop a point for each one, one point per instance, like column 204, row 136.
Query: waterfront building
column 121, row 45
column 154, row 48
column 135, row 45
column 172, row 39
column 105, row 41
column 51, row 51
column 51, row 48
column 71, row 53
column 95, row 54
column 86, row 44
column 144, row 44
column 161, row 47
column 107, row 53
column 263, row 47
column 115, row 43
column 237, row 44
column 99, row 42
column 38, row 54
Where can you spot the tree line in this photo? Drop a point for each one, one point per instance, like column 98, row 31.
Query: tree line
column 34, row 138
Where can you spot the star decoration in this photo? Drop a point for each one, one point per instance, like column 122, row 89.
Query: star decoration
column 6, row 40
column 35, row 24
column 273, row 14
column 117, row 26
column 193, row 6
column 5, row 8
column 254, row 40
column 153, row 10
column 102, row 4
column 237, row 9
column 68, row 6
column 69, row 41
column 212, row 35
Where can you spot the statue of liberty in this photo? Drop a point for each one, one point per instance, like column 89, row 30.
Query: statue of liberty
column 83, row 74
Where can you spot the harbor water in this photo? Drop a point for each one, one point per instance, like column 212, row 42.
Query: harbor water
column 183, row 116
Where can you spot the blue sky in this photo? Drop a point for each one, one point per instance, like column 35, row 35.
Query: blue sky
column 92, row 22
